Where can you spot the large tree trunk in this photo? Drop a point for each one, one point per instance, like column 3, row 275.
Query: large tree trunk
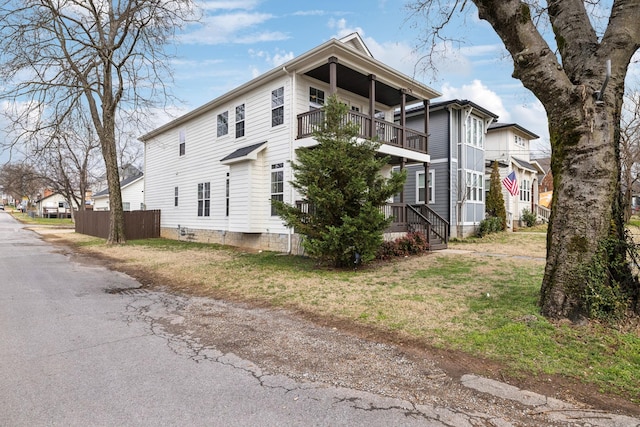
column 585, row 165
column 109, row 152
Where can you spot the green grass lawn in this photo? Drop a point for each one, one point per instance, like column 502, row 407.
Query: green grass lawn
column 26, row 219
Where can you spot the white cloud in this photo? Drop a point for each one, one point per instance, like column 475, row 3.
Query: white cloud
column 232, row 28
column 229, row 5
column 480, row 94
column 309, row 13
column 273, row 60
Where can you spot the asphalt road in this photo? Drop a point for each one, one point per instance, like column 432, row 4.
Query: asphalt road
column 73, row 354
column 83, row 346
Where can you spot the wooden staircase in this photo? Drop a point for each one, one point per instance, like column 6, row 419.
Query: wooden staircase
column 424, row 219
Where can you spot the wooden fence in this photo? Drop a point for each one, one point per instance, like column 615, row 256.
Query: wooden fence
column 137, row 224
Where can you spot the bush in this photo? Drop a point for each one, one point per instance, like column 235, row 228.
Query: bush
column 529, row 218
column 489, row 225
column 413, row 243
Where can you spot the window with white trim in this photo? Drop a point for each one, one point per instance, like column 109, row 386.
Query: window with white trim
column 277, row 107
column 227, row 194
column 316, row 97
column 525, row 190
column 277, row 184
column 240, row 121
column 475, row 132
column 204, row 198
column 223, row 123
column 126, row 206
column 182, row 138
column 519, row 140
column 475, row 187
column 420, row 186
column 175, row 196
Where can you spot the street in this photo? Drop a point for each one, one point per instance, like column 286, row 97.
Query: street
column 81, row 345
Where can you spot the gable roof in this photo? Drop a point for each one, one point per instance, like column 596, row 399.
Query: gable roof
column 499, row 126
column 459, row 103
column 354, row 65
column 123, row 184
column 354, row 40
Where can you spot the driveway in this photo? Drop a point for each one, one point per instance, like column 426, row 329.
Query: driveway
column 82, row 345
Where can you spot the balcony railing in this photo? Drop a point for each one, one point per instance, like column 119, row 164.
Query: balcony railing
column 385, row 132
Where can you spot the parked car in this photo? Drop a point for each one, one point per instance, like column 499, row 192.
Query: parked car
column 1, row 207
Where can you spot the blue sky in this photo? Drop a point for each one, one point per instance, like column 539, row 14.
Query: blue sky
column 241, row 39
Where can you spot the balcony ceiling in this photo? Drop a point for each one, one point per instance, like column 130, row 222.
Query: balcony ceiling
column 353, row 81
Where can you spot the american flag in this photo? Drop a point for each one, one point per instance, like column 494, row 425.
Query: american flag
column 511, row 183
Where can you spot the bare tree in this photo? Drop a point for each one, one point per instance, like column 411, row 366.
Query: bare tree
column 20, row 180
column 63, row 55
column 586, row 244
column 630, row 147
column 67, row 158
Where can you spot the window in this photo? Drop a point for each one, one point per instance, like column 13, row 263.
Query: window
column 277, row 107
column 126, row 206
column 240, row 121
column 223, row 123
column 475, row 187
column 175, row 196
column 204, row 200
column 227, row 196
column 420, row 187
column 316, row 96
column 182, row 139
column 277, row 184
column 519, row 140
column 475, row 132
column 525, row 190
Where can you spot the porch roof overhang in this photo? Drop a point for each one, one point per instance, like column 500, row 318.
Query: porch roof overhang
column 249, row 152
column 358, row 83
column 533, row 167
column 400, row 153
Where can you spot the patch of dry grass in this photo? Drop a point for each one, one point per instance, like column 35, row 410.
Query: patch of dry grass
column 421, row 296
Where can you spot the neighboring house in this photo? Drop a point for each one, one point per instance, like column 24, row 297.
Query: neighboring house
column 214, row 171
column 456, row 183
column 509, row 145
column 53, row 205
column 124, row 172
column 545, row 182
column 132, row 190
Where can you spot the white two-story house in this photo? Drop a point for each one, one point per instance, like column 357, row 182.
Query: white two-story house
column 214, row 171
column 509, row 144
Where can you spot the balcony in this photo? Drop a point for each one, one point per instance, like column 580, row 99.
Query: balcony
column 379, row 130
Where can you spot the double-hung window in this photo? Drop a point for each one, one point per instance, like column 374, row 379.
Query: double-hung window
column 277, row 107
column 316, row 97
column 277, row 184
column 420, row 187
column 240, row 121
column 525, row 190
column 223, row 123
column 475, row 187
column 204, row 198
column 175, row 196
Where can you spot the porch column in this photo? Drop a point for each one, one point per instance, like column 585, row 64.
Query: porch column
column 403, row 117
column 426, row 104
column 372, row 105
column 333, row 75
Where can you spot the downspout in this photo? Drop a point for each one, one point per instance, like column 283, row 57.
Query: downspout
column 292, row 136
column 450, row 180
